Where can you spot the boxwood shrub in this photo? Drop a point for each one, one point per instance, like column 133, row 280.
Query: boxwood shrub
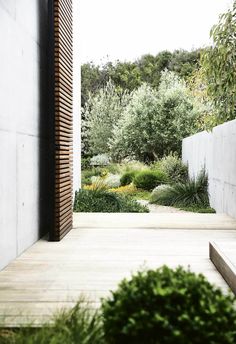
column 148, row 180
column 100, row 201
column 127, row 178
column 166, row 306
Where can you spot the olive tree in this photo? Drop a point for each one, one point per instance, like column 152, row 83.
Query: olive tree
column 101, row 112
column 155, row 121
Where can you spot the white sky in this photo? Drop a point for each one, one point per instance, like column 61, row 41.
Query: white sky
column 128, row 29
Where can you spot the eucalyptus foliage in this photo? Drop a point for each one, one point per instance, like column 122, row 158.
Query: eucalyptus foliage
column 219, row 63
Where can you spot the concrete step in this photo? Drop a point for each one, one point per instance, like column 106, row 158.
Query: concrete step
column 154, row 221
column 223, row 256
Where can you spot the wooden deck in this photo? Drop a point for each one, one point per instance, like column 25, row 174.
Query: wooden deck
column 96, row 255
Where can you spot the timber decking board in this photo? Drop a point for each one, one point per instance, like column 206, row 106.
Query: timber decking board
column 91, row 261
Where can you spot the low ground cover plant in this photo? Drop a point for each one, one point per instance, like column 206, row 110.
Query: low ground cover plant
column 148, row 180
column 193, row 193
column 106, row 202
column 166, row 306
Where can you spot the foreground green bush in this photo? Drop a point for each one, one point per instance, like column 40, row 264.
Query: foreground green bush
column 167, row 306
column 193, row 193
column 148, row 180
column 95, row 201
column 127, row 178
column 76, row 326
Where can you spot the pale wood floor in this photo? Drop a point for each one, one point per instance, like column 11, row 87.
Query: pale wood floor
column 95, row 256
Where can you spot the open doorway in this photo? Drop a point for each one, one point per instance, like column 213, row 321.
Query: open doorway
column 141, row 95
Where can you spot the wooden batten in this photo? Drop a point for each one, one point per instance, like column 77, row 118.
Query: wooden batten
column 63, row 117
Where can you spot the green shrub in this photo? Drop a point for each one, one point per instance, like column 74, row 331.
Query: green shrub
column 127, row 178
column 194, row 192
column 95, row 201
column 85, row 163
column 78, row 325
column 174, row 168
column 148, row 180
column 166, row 306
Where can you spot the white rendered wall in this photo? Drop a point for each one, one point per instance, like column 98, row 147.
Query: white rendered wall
column 217, row 152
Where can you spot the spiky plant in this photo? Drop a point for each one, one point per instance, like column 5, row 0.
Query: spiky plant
column 194, row 192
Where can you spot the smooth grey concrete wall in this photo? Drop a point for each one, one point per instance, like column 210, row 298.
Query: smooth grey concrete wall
column 216, row 151
column 24, row 128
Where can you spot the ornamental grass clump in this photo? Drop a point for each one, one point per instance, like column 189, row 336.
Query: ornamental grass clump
column 79, row 325
column 193, row 192
column 166, row 306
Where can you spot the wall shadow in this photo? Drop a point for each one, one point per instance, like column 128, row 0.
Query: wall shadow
column 46, row 122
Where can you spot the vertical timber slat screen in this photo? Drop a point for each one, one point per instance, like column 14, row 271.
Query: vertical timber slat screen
column 63, row 118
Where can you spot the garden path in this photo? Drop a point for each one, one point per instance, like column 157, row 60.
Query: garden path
column 100, row 251
column 155, row 208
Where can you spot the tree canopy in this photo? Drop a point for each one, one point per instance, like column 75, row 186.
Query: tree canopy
column 219, row 65
column 129, row 76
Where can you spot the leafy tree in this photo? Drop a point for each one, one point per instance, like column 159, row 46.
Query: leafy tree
column 184, row 63
column 92, row 79
column 197, row 84
column 219, row 63
column 124, row 75
column 101, row 112
column 128, row 76
column 155, row 121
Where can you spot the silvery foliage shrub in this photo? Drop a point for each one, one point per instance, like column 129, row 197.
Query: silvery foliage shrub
column 100, row 114
column 100, row 160
column 155, row 121
column 174, row 168
column 113, row 180
column 158, row 190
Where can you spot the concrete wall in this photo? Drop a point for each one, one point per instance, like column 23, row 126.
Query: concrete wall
column 217, row 152
column 24, row 126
